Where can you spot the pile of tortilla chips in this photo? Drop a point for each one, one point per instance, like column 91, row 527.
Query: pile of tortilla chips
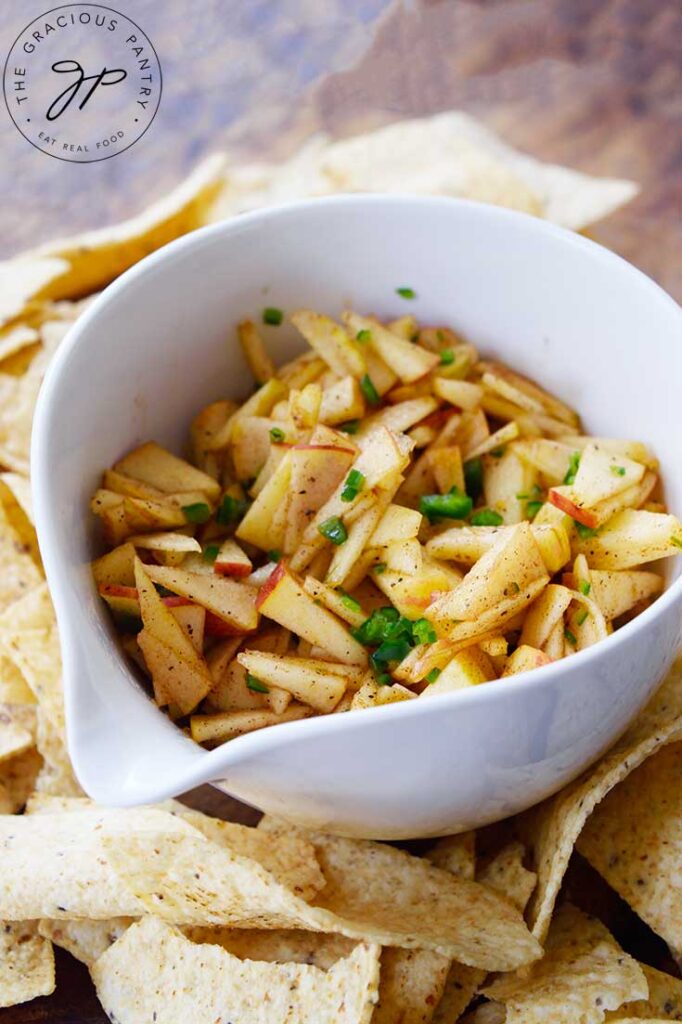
column 181, row 917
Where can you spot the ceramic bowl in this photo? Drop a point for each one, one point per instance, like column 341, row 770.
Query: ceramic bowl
column 159, row 344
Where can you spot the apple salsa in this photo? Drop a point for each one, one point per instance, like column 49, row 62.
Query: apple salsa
column 386, row 518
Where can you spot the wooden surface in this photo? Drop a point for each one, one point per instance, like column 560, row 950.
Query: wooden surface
column 596, row 84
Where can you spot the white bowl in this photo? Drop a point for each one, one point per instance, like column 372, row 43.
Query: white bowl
column 159, row 344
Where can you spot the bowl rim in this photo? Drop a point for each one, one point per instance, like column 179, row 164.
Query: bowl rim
column 210, row 763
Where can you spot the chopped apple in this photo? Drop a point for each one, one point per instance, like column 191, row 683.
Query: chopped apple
column 397, row 523
column 210, row 421
column 232, row 560
column 499, row 617
column 461, row 393
column 551, row 458
column 117, row 566
column 331, row 342
column 632, row 537
column 380, row 373
column 123, row 603
column 543, row 615
column 554, row 544
column 404, row 326
column 283, row 599
column 255, row 353
column 505, row 477
column 554, row 646
column 304, row 406
column 257, row 525
column 346, row 554
column 586, row 624
column 470, row 667
column 157, row 467
column 220, row 656
column 316, row 472
column 192, row 618
column 618, row 592
column 251, row 441
column 470, row 431
column 631, row 497
column 601, row 475
column 232, row 601
column 342, row 401
column 310, row 681
column 564, row 499
column 231, row 692
column 493, row 381
column 260, row 403
column 509, row 432
column 400, row 417
column 404, row 556
column 446, row 466
column 346, row 607
column 301, row 370
column 552, row 405
column 408, row 361
column 411, row 595
column 173, row 541
column 524, row 659
column 216, row 729
column 615, row 446
column 465, row 544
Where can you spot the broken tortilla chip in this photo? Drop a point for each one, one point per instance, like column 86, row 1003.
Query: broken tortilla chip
column 26, row 278
column 456, row 854
column 85, row 940
column 552, row 829
column 18, row 777
column 506, row 873
column 95, row 258
column 634, row 840
column 26, row 963
column 154, row 973
column 664, row 1001
column 411, row 985
column 582, row 974
column 16, row 337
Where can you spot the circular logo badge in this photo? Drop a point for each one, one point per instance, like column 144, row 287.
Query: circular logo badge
column 82, row 82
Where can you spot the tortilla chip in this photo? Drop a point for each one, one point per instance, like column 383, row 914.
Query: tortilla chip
column 155, row 973
column 664, row 1001
column 456, row 854
column 24, row 279
column 53, row 865
column 506, row 873
column 95, row 258
column 404, row 901
column 18, row 572
column 486, row 1013
column 552, row 828
column 16, row 503
column 16, row 337
column 26, row 963
column 17, row 733
column 85, row 940
column 449, row 154
column 411, row 985
column 18, row 777
column 634, row 840
column 18, row 397
column 277, row 945
column 13, row 687
column 582, row 974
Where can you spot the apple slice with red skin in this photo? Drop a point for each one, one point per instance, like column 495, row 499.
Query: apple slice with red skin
column 581, row 515
column 124, row 601
column 232, row 560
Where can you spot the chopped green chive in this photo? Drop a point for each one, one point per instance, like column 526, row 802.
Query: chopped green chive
column 349, row 602
column 423, row 632
column 486, row 517
column 585, row 587
column 350, row 426
column 255, row 684
column 453, row 505
column 584, row 531
column 363, row 336
column 618, row 470
column 334, row 530
column 383, row 679
column 532, row 508
column 573, row 464
column 231, row 509
column 497, row 453
column 355, row 481
column 197, row 513
column 369, row 391
column 473, row 478
column 581, row 616
column 447, row 357
column 514, row 587
column 677, row 541
column 406, row 293
column 433, row 675
column 210, row 552
column 570, row 636
column 381, row 566
column 272, row 316
column 384, row 624
column 390, row 650
column 277, row 434
column 522, row 496
column 274, row 555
